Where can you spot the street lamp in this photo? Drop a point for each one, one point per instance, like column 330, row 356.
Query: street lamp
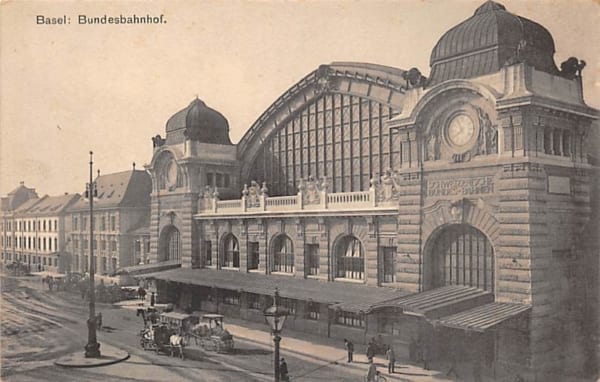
column 276, row 316
column 92, row 349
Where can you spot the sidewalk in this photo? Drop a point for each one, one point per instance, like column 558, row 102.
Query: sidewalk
column 319, row 349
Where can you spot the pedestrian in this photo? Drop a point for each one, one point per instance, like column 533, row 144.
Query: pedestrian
column 370, row 351
column 391, row 357
column 372, row 372
column 141, row 293
column 283, row 371
column 152, row 299
column 99, row 320
column 350, row 348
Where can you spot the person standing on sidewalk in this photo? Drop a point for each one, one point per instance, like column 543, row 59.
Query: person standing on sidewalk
column 372, row 372
column 283, row 371
column 350, row 348
column 391, row 357
column 370, row 351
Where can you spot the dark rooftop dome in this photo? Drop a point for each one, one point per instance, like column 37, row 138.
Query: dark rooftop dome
column 200, row 123
column 488, row 40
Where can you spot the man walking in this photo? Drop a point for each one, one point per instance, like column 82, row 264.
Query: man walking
column 350, row 348
column 283, row 371
column 372, row 372
column 391, row 357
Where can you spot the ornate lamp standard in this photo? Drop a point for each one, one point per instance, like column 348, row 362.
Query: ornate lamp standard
column 92, row 349
column 275, row 316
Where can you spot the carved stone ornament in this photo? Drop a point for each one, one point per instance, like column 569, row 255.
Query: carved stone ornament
column 158, row 141
column 433, row 141
column 324, row 81
column 207, row 197
column 387, row 187
column 488, row 134
column 457, row 211
column 311, row 189
column 414, row 78
column 254, row 193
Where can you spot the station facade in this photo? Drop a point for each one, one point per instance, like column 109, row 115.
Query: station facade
column 453, row 213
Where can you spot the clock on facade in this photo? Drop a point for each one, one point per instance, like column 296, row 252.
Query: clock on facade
column 461, row 130
column 171, row 173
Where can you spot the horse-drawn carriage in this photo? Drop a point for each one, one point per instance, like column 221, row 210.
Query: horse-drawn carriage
column 161, row 338
column 211, row 335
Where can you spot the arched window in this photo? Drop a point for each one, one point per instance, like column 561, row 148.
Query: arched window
column 231, row 252
column 283, row 255
column 460, row 255
column 170, row 244
column 350, row 259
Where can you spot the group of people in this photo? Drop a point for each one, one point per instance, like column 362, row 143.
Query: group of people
column 372, row 372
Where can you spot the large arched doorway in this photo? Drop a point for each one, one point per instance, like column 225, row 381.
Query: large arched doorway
column 169, row 244
column 460, row 255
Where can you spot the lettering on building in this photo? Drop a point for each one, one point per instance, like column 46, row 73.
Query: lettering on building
column 460, row 186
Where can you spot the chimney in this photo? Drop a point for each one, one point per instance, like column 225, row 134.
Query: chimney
column 133, row 166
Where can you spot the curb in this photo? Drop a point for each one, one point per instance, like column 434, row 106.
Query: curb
column 110, row 355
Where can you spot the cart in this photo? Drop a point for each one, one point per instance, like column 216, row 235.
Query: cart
column 211, row 334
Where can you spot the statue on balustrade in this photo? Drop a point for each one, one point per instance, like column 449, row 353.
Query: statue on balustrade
column 387, row 187
column 252, row 194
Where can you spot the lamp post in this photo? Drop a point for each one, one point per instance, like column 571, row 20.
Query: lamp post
column 92, row 349
column 275, row 316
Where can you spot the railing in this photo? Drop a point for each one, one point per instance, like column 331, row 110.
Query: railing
column 229, row 204
column 281, row 203
column 357, row 197
column 337, row 201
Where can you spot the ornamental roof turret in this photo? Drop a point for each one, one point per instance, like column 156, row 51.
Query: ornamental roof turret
column 488, row 40
column 199, row 123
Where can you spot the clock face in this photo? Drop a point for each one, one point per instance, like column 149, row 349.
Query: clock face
column 172, row 173
column 461, row 130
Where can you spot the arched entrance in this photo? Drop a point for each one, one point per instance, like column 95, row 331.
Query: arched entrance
column 459, row 254
column 169, row 247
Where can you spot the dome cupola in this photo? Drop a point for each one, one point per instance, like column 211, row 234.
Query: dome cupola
column 199, row 122
column 488, row 40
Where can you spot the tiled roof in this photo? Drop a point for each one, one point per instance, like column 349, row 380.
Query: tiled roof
column 51, row 205
column 122, row 189
column 354, row 297
column 27, row 205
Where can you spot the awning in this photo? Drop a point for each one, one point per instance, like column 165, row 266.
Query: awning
column 483, row 317
column 438, row 302
column 148, row 268
column 345, row 296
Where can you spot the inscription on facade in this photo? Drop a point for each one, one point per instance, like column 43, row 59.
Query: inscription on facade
column 460, row 186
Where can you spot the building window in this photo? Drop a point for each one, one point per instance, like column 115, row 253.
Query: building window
column 84, row 223
column 44, row 225
column 102, row 223
column 55, row 262
column 231, row 298
column 44, row 244
column 113, row 223
column 350, row 319
column 76, row 258
column 231, row 254
column 208, row 253
column 219, row 180
column 253, row 255
column 75, row 244
column 254, row 302
column 103, row 269
column 113, row 264
column 113, row 245
column 350, row 259
column 44, row 260
column 313, row 310
column 75, row 228
column 210, row 179
column 169, row 244
column 56, row 226
column 84, row 244
column 283, row 254
column 103, row 245
column 55, row 244
column 289, row 304
column 312, row 259
column 389, row 256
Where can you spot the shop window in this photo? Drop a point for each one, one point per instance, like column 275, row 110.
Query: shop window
column 312, row 259
column 254, row 301
column 231, row 256
column 350, row 319
column 350, row 259
column 283, row 255
column 389, row 255
column 253, row 255
column 231, row 298
column 313, row 311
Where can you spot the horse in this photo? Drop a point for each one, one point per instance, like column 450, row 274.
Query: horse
column 177, row 341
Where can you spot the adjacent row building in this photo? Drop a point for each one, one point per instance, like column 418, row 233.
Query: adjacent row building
column 458, row 212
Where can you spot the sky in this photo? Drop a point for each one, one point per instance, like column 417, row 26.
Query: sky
column 68, row 89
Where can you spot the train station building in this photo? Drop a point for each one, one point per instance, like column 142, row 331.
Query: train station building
column 456, row 213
